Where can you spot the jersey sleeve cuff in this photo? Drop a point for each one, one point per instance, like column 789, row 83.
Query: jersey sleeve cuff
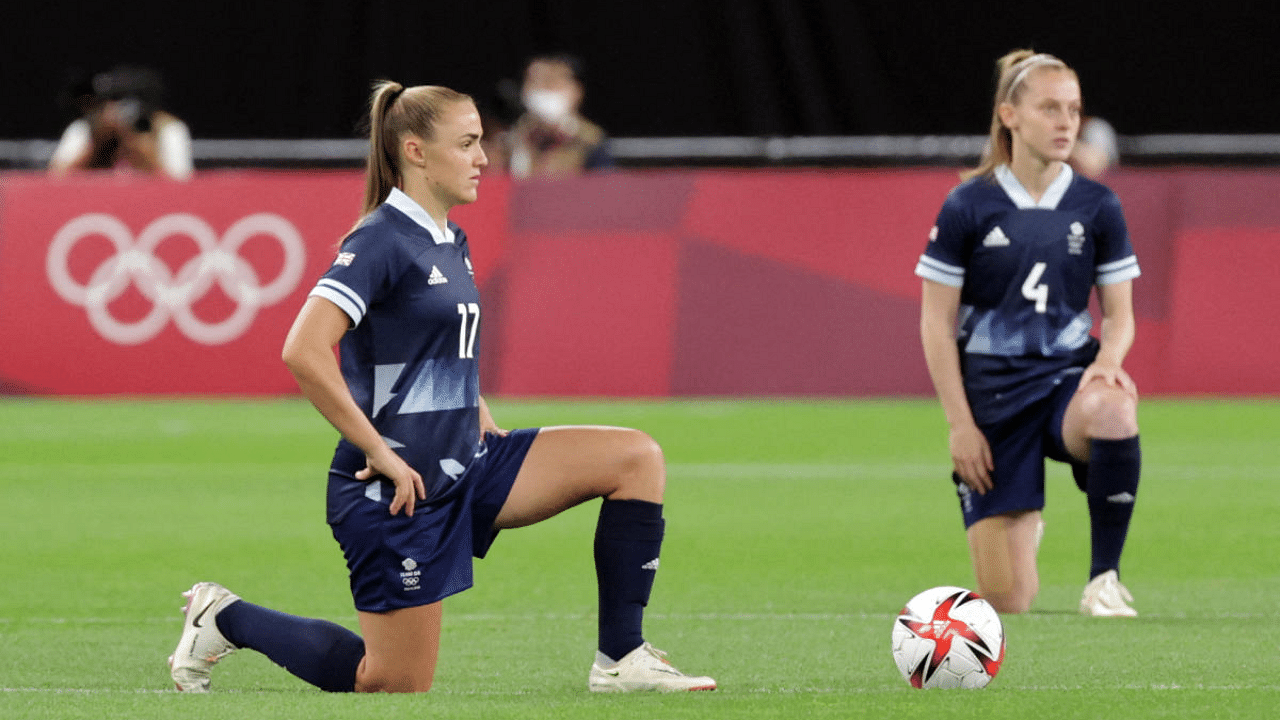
column 940, row 272
column 344, row 297
column 1118, row 271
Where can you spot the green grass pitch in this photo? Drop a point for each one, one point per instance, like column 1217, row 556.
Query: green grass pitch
column 796, row 530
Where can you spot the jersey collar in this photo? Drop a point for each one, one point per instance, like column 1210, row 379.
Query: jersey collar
column 405, row 204
column 1022, row 199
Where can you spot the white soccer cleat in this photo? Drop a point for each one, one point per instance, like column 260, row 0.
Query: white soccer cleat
column 1104, row 596
column 201, row 645
column 644, row 669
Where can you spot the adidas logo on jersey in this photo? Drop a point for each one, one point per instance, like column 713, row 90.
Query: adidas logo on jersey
column 437, row 277
column 995, row 238
column 651, row 565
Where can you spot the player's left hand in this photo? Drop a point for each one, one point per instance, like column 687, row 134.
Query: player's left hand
column 1111, row 375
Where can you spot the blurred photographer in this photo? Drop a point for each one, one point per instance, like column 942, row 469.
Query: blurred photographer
column 121, row 125
column 552, row 138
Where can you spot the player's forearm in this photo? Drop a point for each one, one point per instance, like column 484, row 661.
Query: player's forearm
column 486, row 417
column 320, row 379
column 943, row 360
column 1118, row 334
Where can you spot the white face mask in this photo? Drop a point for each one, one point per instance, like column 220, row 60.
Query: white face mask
column 547, row 105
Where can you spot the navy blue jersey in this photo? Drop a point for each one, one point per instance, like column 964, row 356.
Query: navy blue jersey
column 410, row 358
column 1025, row 270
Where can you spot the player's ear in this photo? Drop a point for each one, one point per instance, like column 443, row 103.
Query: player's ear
column 411, row 147
column 1006, row 112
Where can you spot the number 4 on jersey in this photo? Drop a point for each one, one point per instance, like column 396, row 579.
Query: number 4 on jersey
column 1031, row 290
column 467, row 338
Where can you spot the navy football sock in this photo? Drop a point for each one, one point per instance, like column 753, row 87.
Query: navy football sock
column 1114, row 466
column 628, row 540
column 324, row 654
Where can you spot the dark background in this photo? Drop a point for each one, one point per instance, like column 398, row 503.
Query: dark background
column 294, row 69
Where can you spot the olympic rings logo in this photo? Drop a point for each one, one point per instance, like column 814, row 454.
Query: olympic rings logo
column 173, row 294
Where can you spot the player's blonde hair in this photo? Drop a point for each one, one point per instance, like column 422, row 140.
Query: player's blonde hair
column 395, row 111
column 1012, row 71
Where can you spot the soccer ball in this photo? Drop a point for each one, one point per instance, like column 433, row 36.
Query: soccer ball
column 948, row 637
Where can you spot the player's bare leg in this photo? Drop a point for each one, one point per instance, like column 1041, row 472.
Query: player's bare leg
column 1003, row 548
column 401, row 649
column 566, row 466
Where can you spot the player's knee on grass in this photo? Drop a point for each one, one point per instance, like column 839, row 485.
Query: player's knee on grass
column 1007, row 603
column 1005, row 593
column 393, row 682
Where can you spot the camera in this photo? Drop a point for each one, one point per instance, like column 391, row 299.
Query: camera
column 134, row 114
column 135, row 90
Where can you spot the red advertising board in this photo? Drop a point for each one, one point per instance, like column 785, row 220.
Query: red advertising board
column 628, row 284
column 114, row 285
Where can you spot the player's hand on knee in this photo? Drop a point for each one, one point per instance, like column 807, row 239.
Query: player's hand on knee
column 1112, row 376
column 971, row 455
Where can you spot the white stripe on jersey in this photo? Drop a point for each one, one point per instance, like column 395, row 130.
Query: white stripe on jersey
column 342, row 296
column 940, row 272
column 1118, row 271
column 384, row 378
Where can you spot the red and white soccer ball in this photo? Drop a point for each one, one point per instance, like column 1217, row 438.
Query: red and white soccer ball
column 948, row 637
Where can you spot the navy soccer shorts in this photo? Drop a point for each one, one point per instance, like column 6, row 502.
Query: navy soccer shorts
column 1019, row 447
column 397, row 561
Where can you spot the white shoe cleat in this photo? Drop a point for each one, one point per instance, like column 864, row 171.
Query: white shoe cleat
column 201, row 645
column 1104, row 596
column 643, row 669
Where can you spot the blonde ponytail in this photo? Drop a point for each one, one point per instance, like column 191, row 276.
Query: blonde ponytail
column 383, row 168
column 395, row 111
column 1012, row 71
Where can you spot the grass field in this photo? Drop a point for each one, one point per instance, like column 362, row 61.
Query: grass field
column 796, row 530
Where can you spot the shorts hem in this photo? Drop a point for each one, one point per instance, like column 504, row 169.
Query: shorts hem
column 969, row 523
column 386, row 607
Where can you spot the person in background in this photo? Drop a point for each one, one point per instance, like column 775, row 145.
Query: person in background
column 1097, row 149
column 551, row 138
column 1007, row 272
column 122, row 126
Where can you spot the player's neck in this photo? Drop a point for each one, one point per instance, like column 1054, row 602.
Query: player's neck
column 1035, row 174
column 418, row 192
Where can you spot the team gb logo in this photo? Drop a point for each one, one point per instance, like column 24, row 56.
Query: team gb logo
column 1075, row 240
